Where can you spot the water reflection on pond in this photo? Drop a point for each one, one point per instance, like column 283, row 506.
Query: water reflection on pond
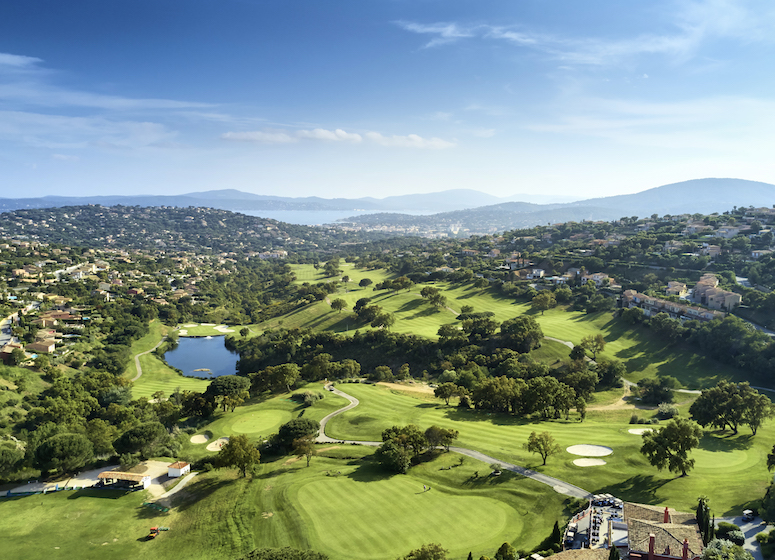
column 203, row 357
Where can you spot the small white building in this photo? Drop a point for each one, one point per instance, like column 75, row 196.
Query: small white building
column 178, row 469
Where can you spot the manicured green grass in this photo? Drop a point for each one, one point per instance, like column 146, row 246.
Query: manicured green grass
column 737, row 478
column 261, row 417
column 156, row 331
column 343, row 505
column 643, row 353
column 87, row 524
column 307, row 273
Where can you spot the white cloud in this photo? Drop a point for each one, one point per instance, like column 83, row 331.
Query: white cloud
column 695, row 22
column 484, row 132
column 408, row 141
column 445, row 32
column 337, row 135
column 17, row 60
column 61, row 132
column 63, row 157
column 262, row 137
column 723, row 125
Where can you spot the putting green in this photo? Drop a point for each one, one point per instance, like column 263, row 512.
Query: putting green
column 356, row 520
column 714, row 460
column 263, row 422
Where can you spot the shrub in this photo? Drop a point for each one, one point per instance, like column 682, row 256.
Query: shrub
column 654, row 421
column 723, row 529
column 667, row 410
column 634, row 419
column 736, row 537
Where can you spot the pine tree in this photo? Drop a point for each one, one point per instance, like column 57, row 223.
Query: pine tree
column 470, row 556
column 613, row 553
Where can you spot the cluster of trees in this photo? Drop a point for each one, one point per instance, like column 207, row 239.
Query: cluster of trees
column 727, row 405
column 403, row 445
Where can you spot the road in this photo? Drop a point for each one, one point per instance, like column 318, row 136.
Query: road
column 557, row 485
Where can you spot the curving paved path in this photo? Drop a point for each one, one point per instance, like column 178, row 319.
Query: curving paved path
column 137, row 358
column 557, row 485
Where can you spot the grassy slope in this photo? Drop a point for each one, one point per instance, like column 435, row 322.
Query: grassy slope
column 157, row 376
column 730, row 469
column 644, row 354
column 356, row 513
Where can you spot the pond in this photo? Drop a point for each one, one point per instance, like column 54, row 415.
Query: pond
column 203, row 357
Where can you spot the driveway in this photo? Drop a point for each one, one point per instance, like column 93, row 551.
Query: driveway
column 750, row 530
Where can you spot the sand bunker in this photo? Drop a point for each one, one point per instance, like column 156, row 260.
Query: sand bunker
column 640, row 431
column 590, row 450
column 182, row 332
column 223, row 329
column 208, row 324
column 201, row 438
column 217, row 444
column 189, row 325
column 588, row 462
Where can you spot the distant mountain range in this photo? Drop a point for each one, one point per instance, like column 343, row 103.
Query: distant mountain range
column 470, row 209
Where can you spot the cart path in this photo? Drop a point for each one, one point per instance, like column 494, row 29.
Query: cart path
column 557, row 485
column 137, row 358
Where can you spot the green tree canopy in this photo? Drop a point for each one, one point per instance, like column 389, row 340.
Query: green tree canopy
column 240, row 453
column 669, row 447
column 543, row 444
column 64, row 452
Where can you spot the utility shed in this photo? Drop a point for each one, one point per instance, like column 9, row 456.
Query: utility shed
column 176, row 470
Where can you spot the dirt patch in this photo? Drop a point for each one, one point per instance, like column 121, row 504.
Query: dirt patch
column 291, row 461
column 200, row 438
column 329, row 448
column 267, row 514
column 217, row 444
column 411, row 387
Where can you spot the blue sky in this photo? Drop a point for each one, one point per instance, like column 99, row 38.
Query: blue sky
column 383, row 97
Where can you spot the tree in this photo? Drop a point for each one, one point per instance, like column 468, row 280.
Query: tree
column 730, row 404
column 544, row 300
column 305, row 447
column 613, row 553
column 594, row 343
column 446, row 391
column 393, row 457
column 656, row 391
column 144, row 438
column 240, row 453
column 669, row 447
column 244, row 331
column 232, row 390
column 436, row 436
column 338, row 304
column 719, row 549
column 64, row 452
column 296, row 429
column 365, row 282
column 11, row 458
column 506, row 552
column 543, row 444
column 523, row 334
column 431, row 551
column 383, row 320
column 17, row 357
